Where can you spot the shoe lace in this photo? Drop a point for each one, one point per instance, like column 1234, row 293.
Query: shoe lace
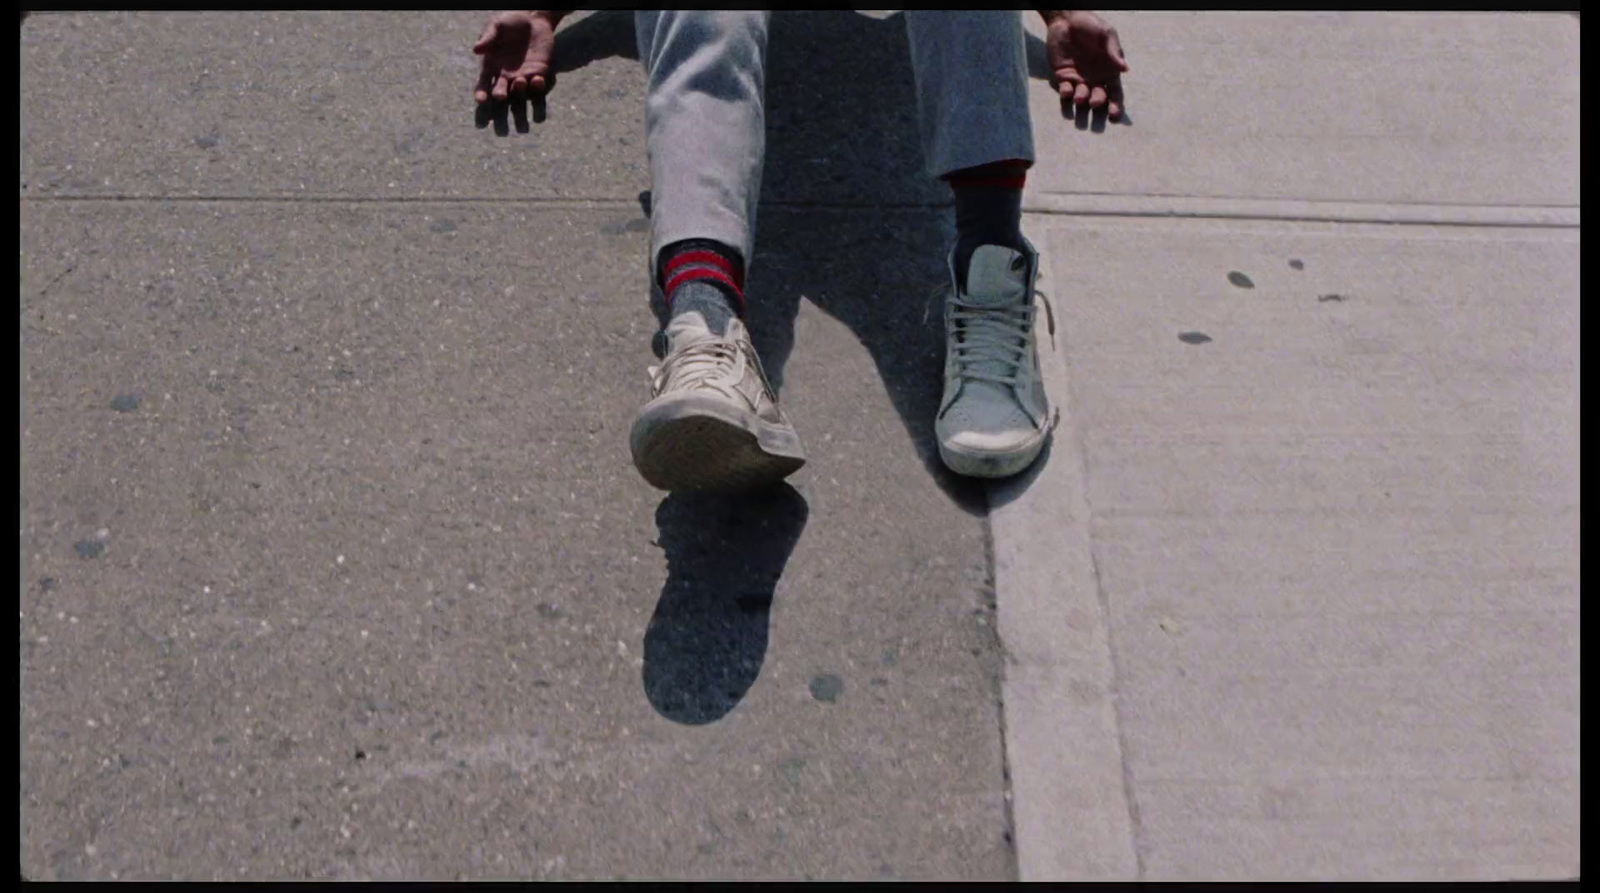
column 991, row 339
column 698, row 365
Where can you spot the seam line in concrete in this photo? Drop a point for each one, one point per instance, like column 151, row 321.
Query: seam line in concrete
column 1007, row 779
column 1196, row 196
column 1129, row 791
column 544, row 202
column 1080, row 438
column 1297, row 210
column 1047, row 204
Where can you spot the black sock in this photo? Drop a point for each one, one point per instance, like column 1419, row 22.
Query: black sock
column 707, row 300
column 988, row 209
column 704, row 276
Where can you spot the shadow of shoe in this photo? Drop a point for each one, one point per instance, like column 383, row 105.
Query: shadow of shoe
column 706, row 642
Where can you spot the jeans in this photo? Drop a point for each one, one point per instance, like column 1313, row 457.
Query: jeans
column 705, row 120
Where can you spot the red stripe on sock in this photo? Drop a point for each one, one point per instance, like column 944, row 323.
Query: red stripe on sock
column 988, row 182
column 703, row 257
column 998, row 175
column 694, row 273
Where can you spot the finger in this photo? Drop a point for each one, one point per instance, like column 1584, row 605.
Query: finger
column 1114, row 49
column 1114, row 101
column 1114, row 111
column 485, row 82
column 487, row 40
column 1097, row 97
column 499, row 92
column 537, row 85
column 1081, row 94
column 519, row 87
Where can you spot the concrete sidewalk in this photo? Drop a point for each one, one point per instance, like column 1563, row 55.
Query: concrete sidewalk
column 1297, row 596
column 335, row 565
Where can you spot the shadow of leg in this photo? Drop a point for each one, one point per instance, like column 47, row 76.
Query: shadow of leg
column 706, row 642
column 1038, row 58
column 770, row 313
column 852, row 221
column 599, row 35
column 881, row 273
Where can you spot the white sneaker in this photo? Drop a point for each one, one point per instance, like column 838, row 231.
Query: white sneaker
column 994, row 417
column 713, row 422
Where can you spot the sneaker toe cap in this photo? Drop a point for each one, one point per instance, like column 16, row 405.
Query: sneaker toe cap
column 999, row 442
column 987, row 427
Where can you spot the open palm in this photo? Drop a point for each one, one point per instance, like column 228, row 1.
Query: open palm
column 516, row 48
column 1086, row 61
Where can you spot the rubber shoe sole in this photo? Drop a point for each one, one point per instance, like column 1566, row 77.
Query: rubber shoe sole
column 985, row 464
column 695, row 442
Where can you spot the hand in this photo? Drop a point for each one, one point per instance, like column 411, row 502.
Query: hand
column 516, row 49
column 1086, row 61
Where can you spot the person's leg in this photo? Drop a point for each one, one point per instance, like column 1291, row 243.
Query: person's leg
column 713, row 421
column 971, row 72
column 705, row 124
column 972, row 102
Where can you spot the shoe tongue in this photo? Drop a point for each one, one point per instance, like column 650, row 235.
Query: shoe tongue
column 996, row 276
column 687, row 328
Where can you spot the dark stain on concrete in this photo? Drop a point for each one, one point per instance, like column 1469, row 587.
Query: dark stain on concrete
column 826, row 687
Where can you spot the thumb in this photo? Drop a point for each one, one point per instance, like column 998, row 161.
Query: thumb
column 1114, row 48
column 487, row 40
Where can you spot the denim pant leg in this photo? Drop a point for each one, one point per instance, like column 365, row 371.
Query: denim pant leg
column 971, row 70
column 705, row 124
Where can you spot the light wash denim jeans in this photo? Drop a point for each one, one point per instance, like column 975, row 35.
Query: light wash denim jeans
column 705, row 120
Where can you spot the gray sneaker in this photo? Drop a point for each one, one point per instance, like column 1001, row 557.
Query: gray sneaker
column 712, row 422
column 994, row 418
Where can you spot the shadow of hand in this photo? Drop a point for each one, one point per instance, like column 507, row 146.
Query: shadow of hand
column 705, row 644
column 515, row 108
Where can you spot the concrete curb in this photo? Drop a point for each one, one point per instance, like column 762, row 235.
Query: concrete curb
column 1071, row 804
